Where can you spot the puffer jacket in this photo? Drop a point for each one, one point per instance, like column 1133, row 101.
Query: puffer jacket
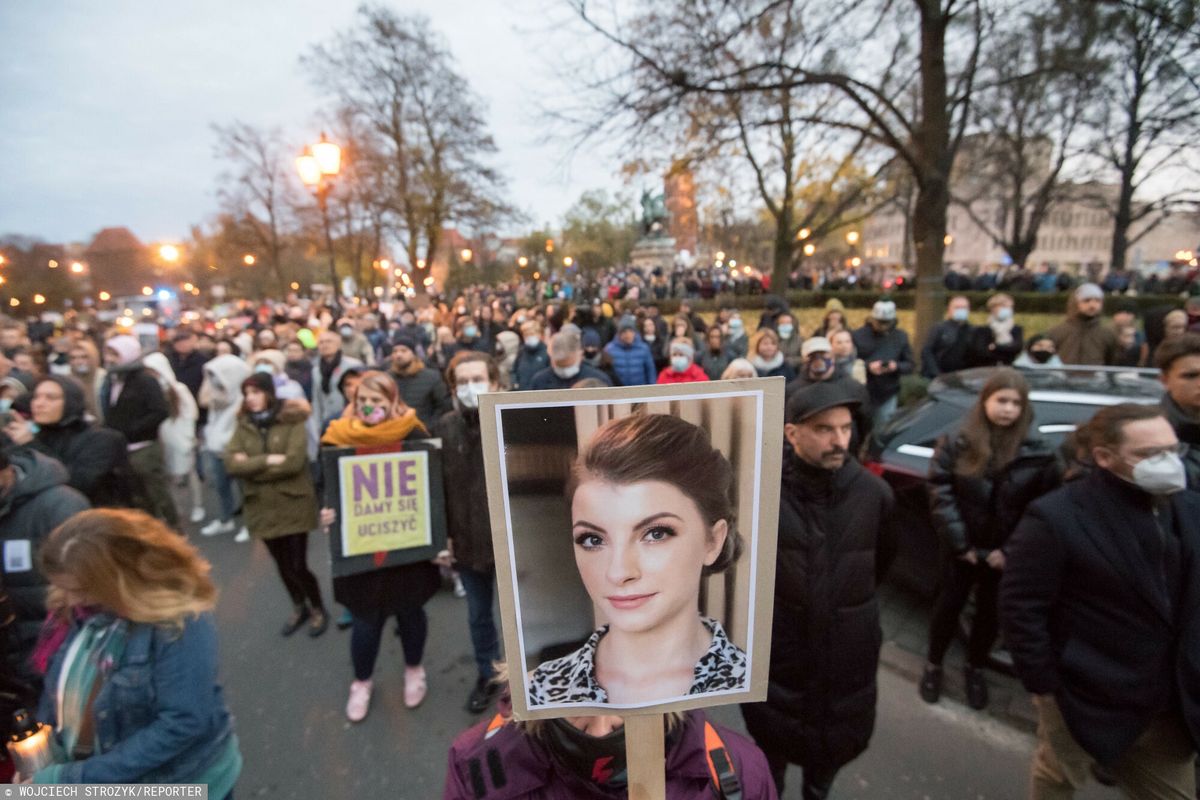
column 981, row 512
column 280, row 498
column 529, row 363
column 835, row 545
column 633, row 363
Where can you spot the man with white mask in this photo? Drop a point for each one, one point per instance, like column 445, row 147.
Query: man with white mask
column 1100, row 605
column 468, row 526
column 566, row 364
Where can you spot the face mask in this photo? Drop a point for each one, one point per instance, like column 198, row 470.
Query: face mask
column 264, row 369
column 346, row 331
column 81, row 369
column 649, row 337
column 1160, row 474
column 1041, row 356
column 566, row 373
column 1004, row 314
column 590, row 352
column 680, row 363
column 785, row 331
column 820, row 366
column 470, row 331
column 736, row 326
column 532, row 342
column 959, row 314
column 469, row 395
column 428, row 328
column 5, row 404
column 372, row 415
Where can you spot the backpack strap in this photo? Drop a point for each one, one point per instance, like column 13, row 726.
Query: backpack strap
column 726, row 783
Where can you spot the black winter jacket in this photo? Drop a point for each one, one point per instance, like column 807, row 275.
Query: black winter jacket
column 468, row 523
column 424, row 390
column 1086, row 616
column 982, row 512
column 1188, row 432
column 38, row 502
column 835, row 545
column 141, row 406
column 890, row 345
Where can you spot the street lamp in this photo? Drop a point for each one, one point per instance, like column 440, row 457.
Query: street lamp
column 466, row 255
column 947, row 240
column 803, row 234
column 77, row 268
column 318, row 166
column 809, row 249
column 522, row 262
column 568, row 261
column 104, row 297
column 852, row 238
column 168, row 253
column 249, row 260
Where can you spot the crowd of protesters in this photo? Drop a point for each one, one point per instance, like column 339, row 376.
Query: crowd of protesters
column 239, row 402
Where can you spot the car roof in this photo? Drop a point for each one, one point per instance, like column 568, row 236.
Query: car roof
column 1078, row 384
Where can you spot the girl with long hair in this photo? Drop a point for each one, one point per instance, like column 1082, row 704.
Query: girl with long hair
column 380, row 417
column 131, row 690
column 981, row 479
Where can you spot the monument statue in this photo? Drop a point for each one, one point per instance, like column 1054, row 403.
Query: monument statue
column 654, row 214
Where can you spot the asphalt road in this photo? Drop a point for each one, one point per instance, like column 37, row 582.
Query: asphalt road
column 288, row 697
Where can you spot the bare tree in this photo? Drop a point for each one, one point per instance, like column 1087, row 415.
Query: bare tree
column 256, row 190
column 1148, row 111
column 1037, row 83
column 872, row 55
column 393, row 76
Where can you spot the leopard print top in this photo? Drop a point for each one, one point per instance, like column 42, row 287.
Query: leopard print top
column 572, row 678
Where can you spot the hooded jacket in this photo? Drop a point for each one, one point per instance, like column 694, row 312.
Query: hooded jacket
column 835, row 546
column 95, row 457
column 38, row 502
column 499, row 761
column 280, row 498
column 177, row 433
column 222, row 389
column 140, row 405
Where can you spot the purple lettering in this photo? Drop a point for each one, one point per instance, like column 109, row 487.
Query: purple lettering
column 407, row 478
column 387, row 479
column 361, row 481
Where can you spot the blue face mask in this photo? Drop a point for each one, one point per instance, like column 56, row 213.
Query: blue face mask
column 960, row 314
column 5, row 404
column 264, row 369
column 785, row 330
column 470, row 331
column 680, row 363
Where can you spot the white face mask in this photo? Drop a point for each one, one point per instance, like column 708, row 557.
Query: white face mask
column 468, row 395
column 532, row 342
column 1004, row 314
column 566, row 373
column 1160, row 474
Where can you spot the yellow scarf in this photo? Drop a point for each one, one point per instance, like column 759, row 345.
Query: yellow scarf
column 353, row 432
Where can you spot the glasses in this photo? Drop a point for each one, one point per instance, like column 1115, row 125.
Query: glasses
column 1179, row 449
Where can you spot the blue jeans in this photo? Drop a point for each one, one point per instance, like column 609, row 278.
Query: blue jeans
column 216, row 476
column 481, row 588
column 886, row 410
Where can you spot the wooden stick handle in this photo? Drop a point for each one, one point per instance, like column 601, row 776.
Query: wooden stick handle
column 645, row 757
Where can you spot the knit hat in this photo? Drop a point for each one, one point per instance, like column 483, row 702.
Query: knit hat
column 815, row 344
column 590, row 338
column 1089, row 291
column 405, row 339
column 884, row 311
column 127, row 348
column 628, row 323
column 684, row 346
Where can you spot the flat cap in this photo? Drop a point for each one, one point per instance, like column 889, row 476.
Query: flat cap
column 821, row 396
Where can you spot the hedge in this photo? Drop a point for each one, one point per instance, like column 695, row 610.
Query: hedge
column 1026, row 302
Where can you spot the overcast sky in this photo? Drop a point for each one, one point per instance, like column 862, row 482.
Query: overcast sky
column 106, row 105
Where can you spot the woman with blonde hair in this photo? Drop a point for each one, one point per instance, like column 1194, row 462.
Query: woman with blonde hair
column 380, row 417
column 131, row 690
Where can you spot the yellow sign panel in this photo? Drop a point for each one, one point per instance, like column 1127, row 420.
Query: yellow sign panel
column 385, row 502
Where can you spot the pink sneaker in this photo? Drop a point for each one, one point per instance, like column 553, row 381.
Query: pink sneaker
column 414, row 686
column 359, row 702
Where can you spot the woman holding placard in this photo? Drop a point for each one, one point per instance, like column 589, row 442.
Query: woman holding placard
column 652, row 515
column 380, row 417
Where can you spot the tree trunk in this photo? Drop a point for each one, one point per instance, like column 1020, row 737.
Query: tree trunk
column 781, row 267
column 1122, row 219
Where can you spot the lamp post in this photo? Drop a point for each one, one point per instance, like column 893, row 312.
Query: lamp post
column 318, row 166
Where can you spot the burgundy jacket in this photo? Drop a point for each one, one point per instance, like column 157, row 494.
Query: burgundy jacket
column 508, row 765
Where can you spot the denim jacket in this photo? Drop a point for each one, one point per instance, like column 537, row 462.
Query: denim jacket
column 160, row 715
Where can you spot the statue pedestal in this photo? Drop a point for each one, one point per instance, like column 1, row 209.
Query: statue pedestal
column 654, row 252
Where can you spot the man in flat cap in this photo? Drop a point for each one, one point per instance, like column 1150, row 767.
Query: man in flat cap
column 835, row 545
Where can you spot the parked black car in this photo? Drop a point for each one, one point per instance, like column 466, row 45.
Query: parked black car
column 1062, row 398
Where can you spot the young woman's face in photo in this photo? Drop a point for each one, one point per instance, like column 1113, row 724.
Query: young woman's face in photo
column 640, row 549
column 1003, row 407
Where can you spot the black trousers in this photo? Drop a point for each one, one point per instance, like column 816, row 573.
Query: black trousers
column 290, row 553
column 818, row 779
column 961, row 578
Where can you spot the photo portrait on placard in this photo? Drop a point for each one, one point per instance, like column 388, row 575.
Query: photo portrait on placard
column 632, row 528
